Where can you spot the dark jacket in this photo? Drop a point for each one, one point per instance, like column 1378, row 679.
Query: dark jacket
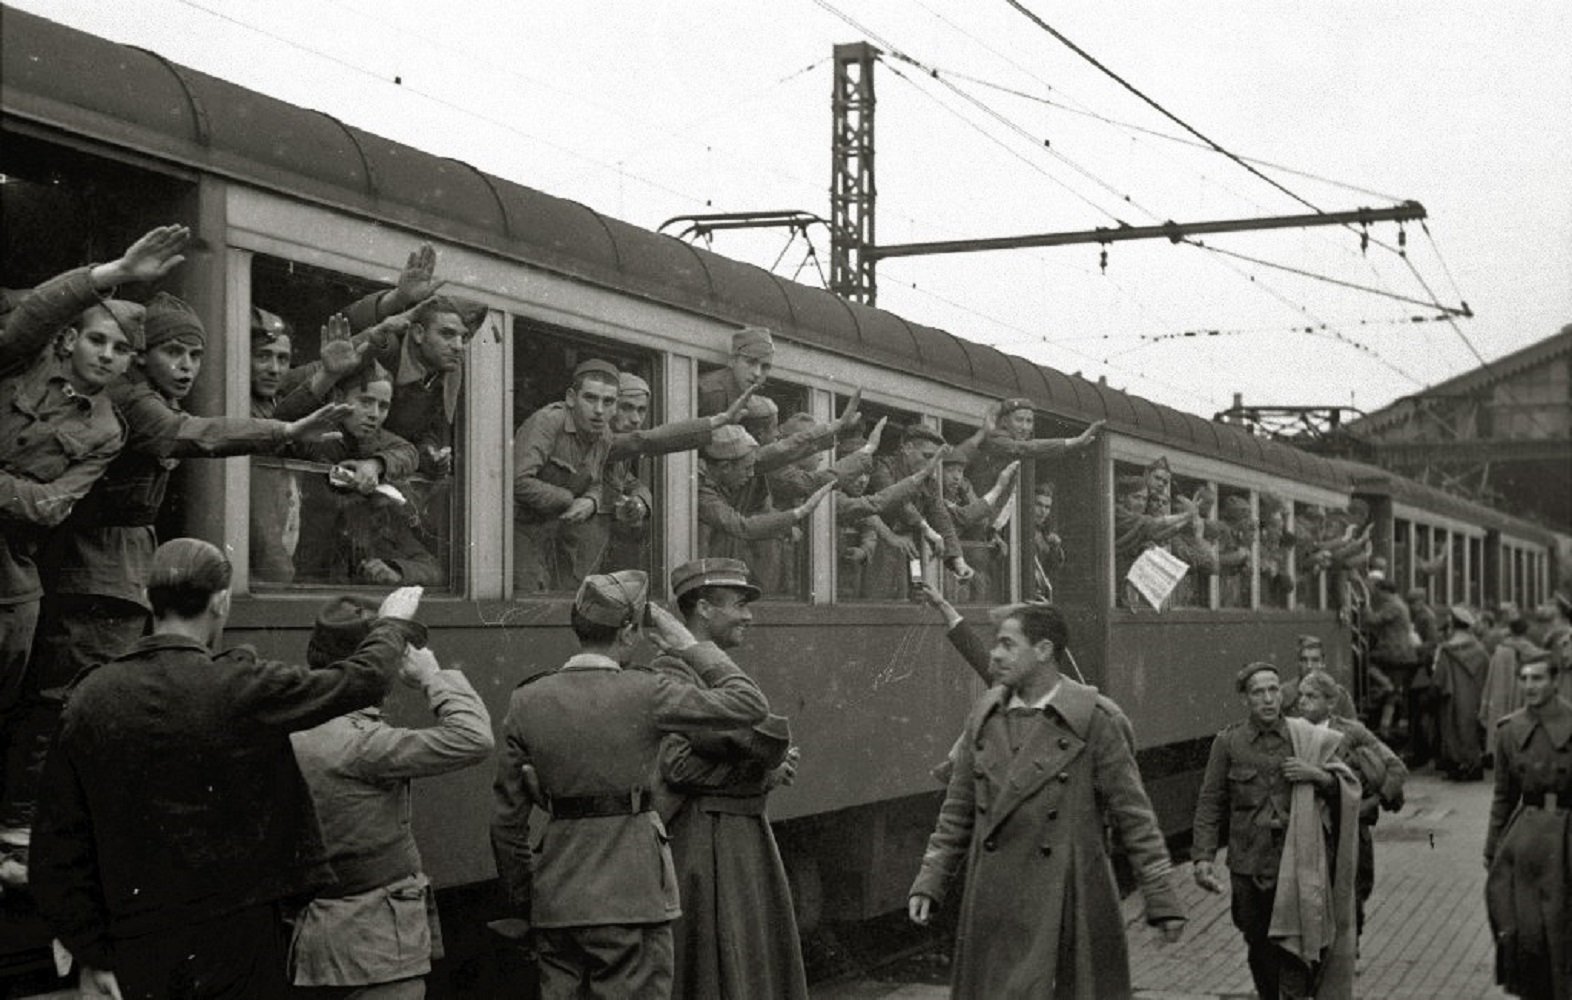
column 172, row 796
column 1245, row 792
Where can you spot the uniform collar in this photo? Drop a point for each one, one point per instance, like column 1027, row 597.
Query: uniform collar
column 590, row 661
column 1037, row 705
column 1555, row 717
column 168, row 640
column 572, row 426
column 1280, row 727
column 1071, row 701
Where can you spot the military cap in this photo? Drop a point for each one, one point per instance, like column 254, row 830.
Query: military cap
column 760, row 408
column 613, row 598
column 797, row 422
column 342, row 625
column 1236, row 506
column 131, row 318
column 713, row 572
column 1310, row 642
column 1249, row 670
column 170, row 318
column 729, row 442
column 955, row 456
column 1535, row 655
column 753, row 342
column 629, row 384
column 1462, row 616
column 921, row 432
column 1014, row 403
column 603, row 370
column 267, row 327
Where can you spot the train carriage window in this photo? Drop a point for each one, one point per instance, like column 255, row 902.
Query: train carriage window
column 1276, row 552
column 1476, row 573
column 1236, row 547
column 1402, row 540
column 744, row 495
column 578, row 507
column 982, row 508
column 876, row 547
column 375, row 502
column 1313, row 554
column 1197, row 543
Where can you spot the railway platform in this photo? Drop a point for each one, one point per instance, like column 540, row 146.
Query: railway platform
column 1426, row 936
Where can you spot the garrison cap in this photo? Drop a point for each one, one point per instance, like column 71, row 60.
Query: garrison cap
column 760, row 408
column 170, row 318
column 1310, row 642
column 605, row 371
column 956, row 456
column 341, row 626
column 1461, row 615
column 1535, row 655
column 729, row 442
column 753, row 342
column 1014, row 403
column 714, row 572
column 1249, row 670
column 267, row 327
column 921, row 432
column 629, row 384
column 797, row 422
column 131, row 318
column 613, row 598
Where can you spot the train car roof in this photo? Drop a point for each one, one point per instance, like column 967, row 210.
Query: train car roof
column 66, row 80
column 1376, row 481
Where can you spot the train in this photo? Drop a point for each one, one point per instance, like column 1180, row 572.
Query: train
column 298, row 213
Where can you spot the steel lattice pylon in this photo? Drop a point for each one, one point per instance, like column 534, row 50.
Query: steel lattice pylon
column 851, row 174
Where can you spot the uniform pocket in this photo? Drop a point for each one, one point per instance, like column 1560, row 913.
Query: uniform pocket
column 406, row 900
column 1246, row 788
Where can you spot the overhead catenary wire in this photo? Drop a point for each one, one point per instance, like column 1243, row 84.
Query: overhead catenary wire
column 1203, row 245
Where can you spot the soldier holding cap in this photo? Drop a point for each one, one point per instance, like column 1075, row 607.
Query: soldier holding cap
column 890, row 571
column 375, row 926
column 1248, row 783
column 737, row 936
column 582, row 743
column 173, row 823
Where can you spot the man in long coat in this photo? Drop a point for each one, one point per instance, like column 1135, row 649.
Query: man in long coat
column 1046, row 766
column 737, row 936
column 1528, row 849
column 1461, row 667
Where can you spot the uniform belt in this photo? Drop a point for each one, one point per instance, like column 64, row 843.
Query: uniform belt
column 732, row 805
column 1546, row 800
column 631, row 803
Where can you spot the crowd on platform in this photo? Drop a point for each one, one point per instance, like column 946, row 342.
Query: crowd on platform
column 198, row 822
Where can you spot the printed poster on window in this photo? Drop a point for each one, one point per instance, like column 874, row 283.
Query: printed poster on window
column 1156, row 573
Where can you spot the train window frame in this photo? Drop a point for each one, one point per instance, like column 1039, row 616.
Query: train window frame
column 1122, row 449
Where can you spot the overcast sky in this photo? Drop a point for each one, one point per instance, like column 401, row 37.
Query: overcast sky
column 660, row 108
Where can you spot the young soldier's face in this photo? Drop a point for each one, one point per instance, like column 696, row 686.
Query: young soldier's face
column 631, row 411
column 1134, row 501
column 953, row 477
column 1537, row 685
column 856, row 486
column 1042, row 508
column 919, row 452
column 1310, row 658
column 269, row 361
column 1264, row 696
column 749, row 369
column 369, row 406
column 593, row 404
column 1021, row 424
column 733, row 473
column 173, row 366
column 97, row 351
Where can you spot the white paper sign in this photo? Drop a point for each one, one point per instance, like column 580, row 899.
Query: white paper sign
column 1156, row 573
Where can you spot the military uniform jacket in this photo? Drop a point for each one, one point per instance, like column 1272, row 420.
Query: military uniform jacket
column 928, row 504
column 1244, row 785
column 554, row 464
column 54, row 441
column 1041, row 914
column 592, row 728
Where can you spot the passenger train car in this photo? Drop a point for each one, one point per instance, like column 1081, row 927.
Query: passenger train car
column 298, row 213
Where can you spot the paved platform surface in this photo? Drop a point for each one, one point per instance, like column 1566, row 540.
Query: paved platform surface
column 1426, row 937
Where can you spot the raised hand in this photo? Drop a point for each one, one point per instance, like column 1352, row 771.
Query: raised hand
column 849, row 412
column 419, row 666
column 418, row 279
column 738, row 409
column 875, row 436
column 668, row 631
column 1085, row 438
column 339, row 352
column 321, row 421
column 806, row 507
column 937, row 460
column 402, row 603
column 148, row 259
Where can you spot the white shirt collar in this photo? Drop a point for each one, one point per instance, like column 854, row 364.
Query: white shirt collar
column 1037, row 706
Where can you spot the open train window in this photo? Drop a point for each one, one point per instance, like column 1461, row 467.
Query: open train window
column 1236, row 548
column 1196, row 543
column 1402, row 547
column 1475, row 594
column 1312, row 555
column 375, row 503
column 983, row 511
column 555, row 468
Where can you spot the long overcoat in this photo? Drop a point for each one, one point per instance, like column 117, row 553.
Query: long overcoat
column 1030, row 828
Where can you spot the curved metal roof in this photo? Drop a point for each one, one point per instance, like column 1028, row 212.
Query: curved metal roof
column 1372, row 479
column 60, row 78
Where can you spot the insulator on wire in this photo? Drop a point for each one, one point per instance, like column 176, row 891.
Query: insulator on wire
column 1364, row 239
column 1102, row 260
column 1402, row 242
